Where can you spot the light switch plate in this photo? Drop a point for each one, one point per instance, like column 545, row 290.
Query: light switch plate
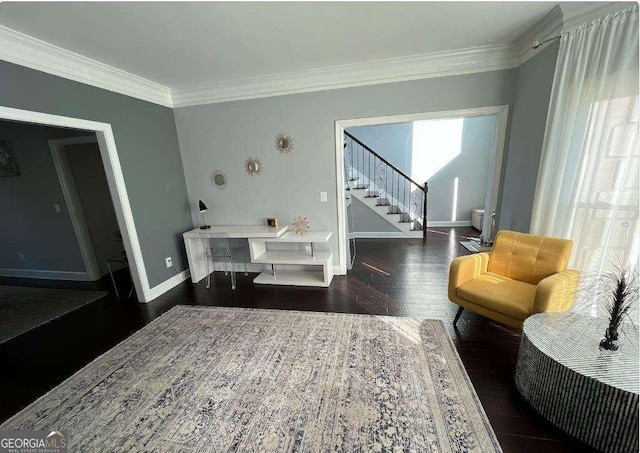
column 56, row 207
column 168, row 261
column 323, row 196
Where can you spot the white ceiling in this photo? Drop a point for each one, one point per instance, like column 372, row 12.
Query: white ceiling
column 187, row 44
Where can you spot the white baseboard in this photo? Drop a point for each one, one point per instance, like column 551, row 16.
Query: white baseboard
column 444, row 223
column 45, row 274
column 336, row 271
column 401, row 235
column 377, row 235
column 168, row 284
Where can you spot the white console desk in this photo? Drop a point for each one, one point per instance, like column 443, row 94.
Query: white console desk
column 258, row 237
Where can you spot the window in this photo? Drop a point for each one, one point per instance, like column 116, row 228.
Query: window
column 435, row 144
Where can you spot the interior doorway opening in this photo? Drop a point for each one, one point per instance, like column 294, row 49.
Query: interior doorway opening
column 458, row 154
column 115, row 180
column 86, row 193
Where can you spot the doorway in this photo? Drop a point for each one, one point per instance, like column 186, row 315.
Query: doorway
column 85, row 189
column 117, row 188
column 425, row 124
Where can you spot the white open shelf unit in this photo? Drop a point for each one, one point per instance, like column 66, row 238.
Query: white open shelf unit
column 318, row 266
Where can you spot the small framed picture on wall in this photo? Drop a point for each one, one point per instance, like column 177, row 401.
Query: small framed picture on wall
column 8, row 164
column 272, row 222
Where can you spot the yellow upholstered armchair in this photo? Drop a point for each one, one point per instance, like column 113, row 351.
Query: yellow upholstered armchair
column 523, row 274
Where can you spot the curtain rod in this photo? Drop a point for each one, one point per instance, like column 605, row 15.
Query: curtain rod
column 537, row 44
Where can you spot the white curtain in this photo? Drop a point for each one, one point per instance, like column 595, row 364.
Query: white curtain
column 588, row 180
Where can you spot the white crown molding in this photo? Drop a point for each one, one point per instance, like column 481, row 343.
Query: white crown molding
column 547, row 27
column 24, row 50
column 564, row 16
column 436, row 64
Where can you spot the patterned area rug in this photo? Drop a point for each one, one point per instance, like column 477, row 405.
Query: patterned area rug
column 22, row 309
column 209, row 379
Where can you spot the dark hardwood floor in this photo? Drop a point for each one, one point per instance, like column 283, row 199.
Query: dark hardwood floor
column 390, row 277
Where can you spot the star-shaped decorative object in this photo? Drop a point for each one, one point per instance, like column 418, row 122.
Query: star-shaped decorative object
column 300, row 225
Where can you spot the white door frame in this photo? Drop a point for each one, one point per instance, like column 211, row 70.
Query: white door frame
column 496, row 160
column 72, row 200
column 115, row 180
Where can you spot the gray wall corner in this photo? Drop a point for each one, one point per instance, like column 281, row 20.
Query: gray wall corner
column 525, row 137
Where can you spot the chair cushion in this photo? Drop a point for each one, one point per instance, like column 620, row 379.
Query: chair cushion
column 510, row 297
column 527, row 257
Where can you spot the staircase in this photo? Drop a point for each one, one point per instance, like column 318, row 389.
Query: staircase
column 385, row 189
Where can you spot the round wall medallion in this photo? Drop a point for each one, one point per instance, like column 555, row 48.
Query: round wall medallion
column 253, row 166
column 284, row 144
column 219, row 179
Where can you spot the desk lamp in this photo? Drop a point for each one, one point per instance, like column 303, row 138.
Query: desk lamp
column 203, row 208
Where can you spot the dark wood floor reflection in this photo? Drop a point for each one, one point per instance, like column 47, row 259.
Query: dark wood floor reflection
column 390, row 277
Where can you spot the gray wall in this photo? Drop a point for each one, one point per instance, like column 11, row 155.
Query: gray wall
column 91, row 185
column 29, row 223
column 471, row 168
column 221, row 136
column 365, row 220
column 528, row 119
column 392, row 141
column 145, row 135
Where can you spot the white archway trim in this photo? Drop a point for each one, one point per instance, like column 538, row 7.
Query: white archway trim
column 115, row 179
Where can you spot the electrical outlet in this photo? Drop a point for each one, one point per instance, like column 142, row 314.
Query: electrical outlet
column 56, row 207
column 323, row 196
column 21, row 256
column 168, row 261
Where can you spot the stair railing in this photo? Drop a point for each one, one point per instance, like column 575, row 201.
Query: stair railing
column 386, row 182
